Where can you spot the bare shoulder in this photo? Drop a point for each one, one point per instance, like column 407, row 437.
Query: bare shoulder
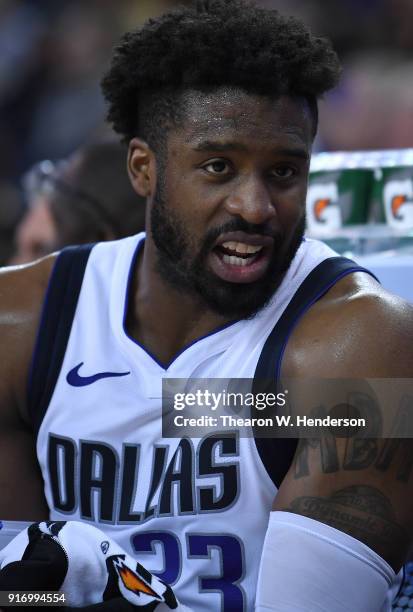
column 22, row 291
column 357, row 329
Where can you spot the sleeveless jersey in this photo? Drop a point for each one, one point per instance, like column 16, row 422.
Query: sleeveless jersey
column 193, row 511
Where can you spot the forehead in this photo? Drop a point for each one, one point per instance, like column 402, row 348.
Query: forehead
column 229, row 113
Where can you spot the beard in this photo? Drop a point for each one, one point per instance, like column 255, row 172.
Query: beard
column 183, row 264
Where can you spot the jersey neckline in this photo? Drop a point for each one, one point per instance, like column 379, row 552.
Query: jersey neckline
column 216, row 339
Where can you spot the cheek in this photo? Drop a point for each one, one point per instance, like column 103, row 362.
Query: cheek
column 178, row 189
column 291, row 206
column 188, row 200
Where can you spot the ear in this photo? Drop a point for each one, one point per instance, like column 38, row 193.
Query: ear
column 141, row 167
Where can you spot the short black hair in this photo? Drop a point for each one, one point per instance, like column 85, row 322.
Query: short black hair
column 210, row 44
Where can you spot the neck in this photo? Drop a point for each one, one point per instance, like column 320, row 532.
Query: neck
column 161, row 318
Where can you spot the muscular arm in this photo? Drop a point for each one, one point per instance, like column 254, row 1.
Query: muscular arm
column 361, row 487
column 21, row 296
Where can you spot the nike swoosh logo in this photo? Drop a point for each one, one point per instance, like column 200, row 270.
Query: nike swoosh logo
column 76, row 380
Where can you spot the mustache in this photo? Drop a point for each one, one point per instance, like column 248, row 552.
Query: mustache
column 240, row 225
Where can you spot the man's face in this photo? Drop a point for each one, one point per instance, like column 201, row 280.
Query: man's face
column 229, row 211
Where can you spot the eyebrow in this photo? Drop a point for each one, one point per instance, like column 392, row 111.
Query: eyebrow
column 299, row 153
column 210, row 145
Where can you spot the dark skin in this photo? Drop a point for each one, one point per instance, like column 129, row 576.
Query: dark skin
column 236, row 155
column 356, row 331
column 22, row 291
column 256, row 169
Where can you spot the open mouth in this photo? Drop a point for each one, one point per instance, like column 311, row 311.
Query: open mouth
column 241, row 258
column 238, row 253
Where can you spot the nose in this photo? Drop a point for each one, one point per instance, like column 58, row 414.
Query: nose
column 251, row 200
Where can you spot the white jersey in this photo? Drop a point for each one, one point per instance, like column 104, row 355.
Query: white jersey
column 193, row 511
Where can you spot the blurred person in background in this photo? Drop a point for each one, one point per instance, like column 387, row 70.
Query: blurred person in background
column 69, row 107
column 87, row 198
column 52, row 53
column 11, row 212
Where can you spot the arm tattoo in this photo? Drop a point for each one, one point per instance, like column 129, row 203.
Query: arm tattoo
column 366, row 449
column 403, row 450
column 359, row 455
column 361, row 511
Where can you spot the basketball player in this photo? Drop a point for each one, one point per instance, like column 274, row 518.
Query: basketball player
column 218, row 103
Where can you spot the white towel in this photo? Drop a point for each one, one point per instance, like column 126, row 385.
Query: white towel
column 80, row 561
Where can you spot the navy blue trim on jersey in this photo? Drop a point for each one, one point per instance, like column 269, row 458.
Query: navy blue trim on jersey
column 55, row 324
column 164, row 366
column 277, row 454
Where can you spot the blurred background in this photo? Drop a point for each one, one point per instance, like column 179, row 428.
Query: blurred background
column 53, row 54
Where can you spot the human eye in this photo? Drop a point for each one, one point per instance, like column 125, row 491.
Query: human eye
column 284, row 172
column 217, row 167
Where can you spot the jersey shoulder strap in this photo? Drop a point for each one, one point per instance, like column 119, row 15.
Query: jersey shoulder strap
column 277, row 454
column 55, row 324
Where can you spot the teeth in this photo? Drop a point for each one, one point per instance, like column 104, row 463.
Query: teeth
column 241, row 247
column 236, row 261
column 253, row 249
